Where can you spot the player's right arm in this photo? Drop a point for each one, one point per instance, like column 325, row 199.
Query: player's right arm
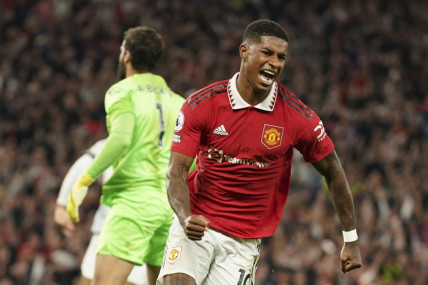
column 178, row 195
column 120, row 114
column 61, row 217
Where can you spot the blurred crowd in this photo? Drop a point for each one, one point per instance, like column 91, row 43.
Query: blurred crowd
column 361, row 65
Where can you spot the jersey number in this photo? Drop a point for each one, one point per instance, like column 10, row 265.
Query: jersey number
column 243, row 279
column 162, row 124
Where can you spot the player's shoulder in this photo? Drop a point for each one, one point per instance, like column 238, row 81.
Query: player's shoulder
column 206, row 93
column 175, row 101
column 133, row 82
column 293, row 103
column 116, row 93
column 119, row 87
column 177, row 98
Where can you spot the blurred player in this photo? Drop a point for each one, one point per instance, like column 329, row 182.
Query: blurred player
column 141, row 114
column 244, row 131
column 138, row 274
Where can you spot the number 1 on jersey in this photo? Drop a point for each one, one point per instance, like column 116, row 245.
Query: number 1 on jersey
column 162, row 124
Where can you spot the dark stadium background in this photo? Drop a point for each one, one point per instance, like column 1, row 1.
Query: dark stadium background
column 361, row 65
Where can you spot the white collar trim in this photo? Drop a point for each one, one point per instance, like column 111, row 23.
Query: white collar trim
column 236, row 101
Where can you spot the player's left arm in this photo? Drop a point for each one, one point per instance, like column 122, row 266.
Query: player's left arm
column 117, row 142
column 341, row 197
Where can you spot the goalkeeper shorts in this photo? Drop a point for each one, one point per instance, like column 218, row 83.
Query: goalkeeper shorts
column 137, row 276
column 136, row 230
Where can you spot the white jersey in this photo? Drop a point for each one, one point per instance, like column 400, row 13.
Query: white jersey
column 76, row 170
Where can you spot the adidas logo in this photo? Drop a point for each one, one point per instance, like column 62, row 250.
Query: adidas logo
column 221, row 131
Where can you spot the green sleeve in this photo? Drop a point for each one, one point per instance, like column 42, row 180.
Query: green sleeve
column 193, row 166
column 120, row 137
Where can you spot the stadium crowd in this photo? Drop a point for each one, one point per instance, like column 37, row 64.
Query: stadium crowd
column 361, row 65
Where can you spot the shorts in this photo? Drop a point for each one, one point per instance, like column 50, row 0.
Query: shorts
column 136, row 230
column 137, row 276
column 216, row 259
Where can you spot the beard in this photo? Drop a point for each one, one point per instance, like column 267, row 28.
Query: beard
column 121, row 72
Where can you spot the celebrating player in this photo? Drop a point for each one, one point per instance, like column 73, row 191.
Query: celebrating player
column 244, row 130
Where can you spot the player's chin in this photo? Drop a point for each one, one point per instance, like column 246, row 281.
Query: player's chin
column 263, row 88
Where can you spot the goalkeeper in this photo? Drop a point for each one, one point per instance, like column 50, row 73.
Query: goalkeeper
column 138, row 274
column 141, row 114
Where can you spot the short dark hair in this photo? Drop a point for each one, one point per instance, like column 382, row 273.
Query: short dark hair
column 145, row 45
column 263, row 27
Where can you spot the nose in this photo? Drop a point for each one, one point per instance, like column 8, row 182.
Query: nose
column 276, row 62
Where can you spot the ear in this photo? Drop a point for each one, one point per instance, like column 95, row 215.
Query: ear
column 243, row 51
column 127, row 57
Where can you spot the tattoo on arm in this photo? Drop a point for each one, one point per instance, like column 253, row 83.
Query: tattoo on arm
column 340, row 194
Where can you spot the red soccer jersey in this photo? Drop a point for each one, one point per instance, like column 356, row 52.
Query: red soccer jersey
column 244, row 153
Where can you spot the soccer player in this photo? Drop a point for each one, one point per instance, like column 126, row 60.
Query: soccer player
column 138, row 274
column 244, row 130
column 141, row 113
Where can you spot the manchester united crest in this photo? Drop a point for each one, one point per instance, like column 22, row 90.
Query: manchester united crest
column 174, row 254
column 272, row 136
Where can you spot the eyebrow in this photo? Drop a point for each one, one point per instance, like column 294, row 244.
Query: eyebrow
column 272, row 51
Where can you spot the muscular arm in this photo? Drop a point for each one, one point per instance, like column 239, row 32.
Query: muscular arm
column 178, row 192
column 341, row 197
column 179, row 198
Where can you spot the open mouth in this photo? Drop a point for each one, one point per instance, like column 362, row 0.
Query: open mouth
column 267, row 76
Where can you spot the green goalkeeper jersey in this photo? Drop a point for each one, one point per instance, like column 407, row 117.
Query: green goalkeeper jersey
column 144, row 163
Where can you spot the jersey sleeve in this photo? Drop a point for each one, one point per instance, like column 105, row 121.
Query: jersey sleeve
column 188, row 129
column 118, row 140
column 313, row 142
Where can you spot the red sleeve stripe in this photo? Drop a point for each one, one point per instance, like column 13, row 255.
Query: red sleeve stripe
column 199, row 93
column 206, row 97
column 199, row 96
column 291, row 100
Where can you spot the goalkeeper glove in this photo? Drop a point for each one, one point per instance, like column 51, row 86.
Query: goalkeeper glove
column 77, row 195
